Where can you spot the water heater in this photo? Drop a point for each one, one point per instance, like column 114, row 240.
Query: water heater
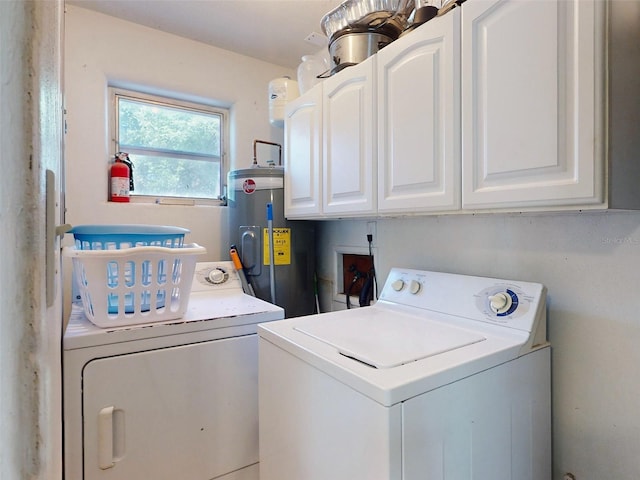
column 249, row 192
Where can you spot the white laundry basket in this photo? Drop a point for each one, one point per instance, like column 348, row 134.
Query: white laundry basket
column 135, row 285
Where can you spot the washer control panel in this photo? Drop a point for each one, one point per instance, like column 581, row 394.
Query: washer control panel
column 213, row 276
column 501, row 302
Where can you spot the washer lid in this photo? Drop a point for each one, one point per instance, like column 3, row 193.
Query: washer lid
column 387, row 340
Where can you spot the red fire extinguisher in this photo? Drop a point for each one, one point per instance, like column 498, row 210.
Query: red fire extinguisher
column 120, row 175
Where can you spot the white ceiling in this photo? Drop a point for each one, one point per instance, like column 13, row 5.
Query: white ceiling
column 273, row 31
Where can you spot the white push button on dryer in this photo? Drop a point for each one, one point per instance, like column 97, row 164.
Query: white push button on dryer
column 500, row 302
column 216, row 276
column 414, row 287
column 398, row 285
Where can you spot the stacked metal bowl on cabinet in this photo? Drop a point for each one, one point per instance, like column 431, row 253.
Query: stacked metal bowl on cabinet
column 359, row 28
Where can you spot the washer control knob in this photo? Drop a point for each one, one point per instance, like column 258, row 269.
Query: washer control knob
column 216, row 276
column 500, row 302
column 414, row 287
column 398, row 285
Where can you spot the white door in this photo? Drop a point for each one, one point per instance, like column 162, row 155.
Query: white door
column 348, row 143
column 419, row 119
column 303, row 155
column 187, row 412
column 528, row 105
column 45, row 91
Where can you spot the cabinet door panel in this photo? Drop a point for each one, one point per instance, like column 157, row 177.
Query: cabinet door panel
column 419, row 119
column 349, row 157
column 303, row 137
column 520, row 95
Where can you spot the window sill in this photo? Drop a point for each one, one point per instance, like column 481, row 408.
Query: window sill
column 170, row 201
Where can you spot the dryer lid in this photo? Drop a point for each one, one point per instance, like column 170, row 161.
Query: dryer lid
column 385, row 340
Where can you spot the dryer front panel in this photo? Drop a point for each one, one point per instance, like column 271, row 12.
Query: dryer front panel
column 187, row 412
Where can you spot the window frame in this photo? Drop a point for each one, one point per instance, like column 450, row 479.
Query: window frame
column 172, row 102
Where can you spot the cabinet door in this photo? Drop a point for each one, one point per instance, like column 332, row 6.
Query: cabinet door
column 528, row 104
column 419, row 119
column 348, row 146
column 303, row 154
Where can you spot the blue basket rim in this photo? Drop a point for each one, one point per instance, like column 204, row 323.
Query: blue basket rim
column 128, row 229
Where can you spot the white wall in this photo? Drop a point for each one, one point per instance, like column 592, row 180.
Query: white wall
column 590, row 263
column 101, row 51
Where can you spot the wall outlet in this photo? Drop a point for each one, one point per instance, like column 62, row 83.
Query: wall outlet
column 371, row 230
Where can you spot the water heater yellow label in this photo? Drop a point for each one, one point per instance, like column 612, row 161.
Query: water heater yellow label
column 281, row 246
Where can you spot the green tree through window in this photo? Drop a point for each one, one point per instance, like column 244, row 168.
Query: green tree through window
column 176, row 148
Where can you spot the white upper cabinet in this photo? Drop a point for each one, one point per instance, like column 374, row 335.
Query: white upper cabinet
column 531, row 90
column 496, row 105
column 303, row 155
column 348, row 141
column 330, row 147
column 419, row 119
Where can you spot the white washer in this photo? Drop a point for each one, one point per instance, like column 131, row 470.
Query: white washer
column 168, row 400
column 445, row 377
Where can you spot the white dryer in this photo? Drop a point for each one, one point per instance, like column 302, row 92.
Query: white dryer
column 171, row 400
column 445, row 377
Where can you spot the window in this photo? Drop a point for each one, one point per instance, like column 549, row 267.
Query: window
column 176, row 148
